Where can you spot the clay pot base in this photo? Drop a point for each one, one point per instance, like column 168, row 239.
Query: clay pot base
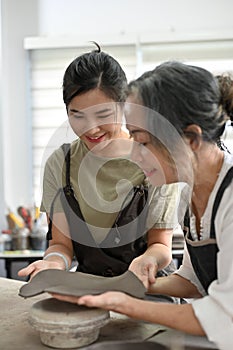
column 64, row 325
column 78, row 284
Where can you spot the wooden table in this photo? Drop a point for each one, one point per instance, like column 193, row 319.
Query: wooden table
column 17, row 334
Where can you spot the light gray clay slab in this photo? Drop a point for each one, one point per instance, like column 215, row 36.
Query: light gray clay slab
column 78, row 284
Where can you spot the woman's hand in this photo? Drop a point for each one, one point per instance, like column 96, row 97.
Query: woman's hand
column 115, row 301
column 38, row 266
column 145, row 268
column 156, row 257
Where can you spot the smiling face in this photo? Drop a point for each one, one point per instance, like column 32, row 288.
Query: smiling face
column 149, row 152
column 95, row 118
column 152, row 157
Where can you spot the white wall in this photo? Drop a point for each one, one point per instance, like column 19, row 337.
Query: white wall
column 104, row 17
column 1, row 134
column 90, row 20
column 18, row 19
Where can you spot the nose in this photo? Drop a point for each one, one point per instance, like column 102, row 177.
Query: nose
column 85, row 125
column 135, row 153
column 93, row 129
column 92, row 125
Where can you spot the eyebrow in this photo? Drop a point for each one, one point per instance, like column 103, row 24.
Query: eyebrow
column 76, row 111
column 136, row 131
column 97, row 113
column 104, row 111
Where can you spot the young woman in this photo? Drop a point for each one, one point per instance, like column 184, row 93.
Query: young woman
column 96, row 198
column 190, row 100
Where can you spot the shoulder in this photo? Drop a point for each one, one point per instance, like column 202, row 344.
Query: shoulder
column 78, row 150
column 77, row 145
column 56, row 158
column 224, row 217
column 228, row 161
column 227, row 165
column 167, row 191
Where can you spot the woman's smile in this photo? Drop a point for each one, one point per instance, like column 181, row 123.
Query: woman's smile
column 95, row 139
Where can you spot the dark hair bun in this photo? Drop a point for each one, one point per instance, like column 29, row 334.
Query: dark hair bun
column 226, row 90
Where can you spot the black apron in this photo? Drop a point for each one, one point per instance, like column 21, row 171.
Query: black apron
column 203, row 253
column 123, row 246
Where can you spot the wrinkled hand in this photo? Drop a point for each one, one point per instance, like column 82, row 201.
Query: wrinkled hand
column 145, row 268
column 38, row 266
column 114, row 301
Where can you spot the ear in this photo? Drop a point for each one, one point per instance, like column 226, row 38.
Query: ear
column 193, row 134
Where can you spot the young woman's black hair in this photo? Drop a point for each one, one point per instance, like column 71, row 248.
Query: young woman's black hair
column 95, row 69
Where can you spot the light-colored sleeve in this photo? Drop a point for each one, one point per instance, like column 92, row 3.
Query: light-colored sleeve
column 52, row 181
column 165, row 205
column 215, row 311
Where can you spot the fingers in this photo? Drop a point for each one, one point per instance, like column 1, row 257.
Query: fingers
column 145, row 269
column 88, row 300
column 26, row 271
column 109, row 300
column 151, row 274
column 92, row 301
column 115, row 301
column 146, row 273
column 38, row 266
column 68, row 298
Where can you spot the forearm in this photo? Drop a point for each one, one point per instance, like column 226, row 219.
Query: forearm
column 174, row 285
column 160, row 246
column 180, row 317
column 60, row 243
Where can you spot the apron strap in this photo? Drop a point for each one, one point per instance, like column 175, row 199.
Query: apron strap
column 49, row 233
column 66, row 149
column 225, row 183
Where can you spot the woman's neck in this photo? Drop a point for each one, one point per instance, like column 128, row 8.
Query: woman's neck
column 209, row 164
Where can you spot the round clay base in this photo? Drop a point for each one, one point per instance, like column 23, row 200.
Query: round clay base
column 64, row 325
column 68, row 340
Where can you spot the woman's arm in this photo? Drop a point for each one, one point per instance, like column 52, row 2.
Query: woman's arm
column 159, row 242
column 174, row 285
column 180, row 317
column 60, row 243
